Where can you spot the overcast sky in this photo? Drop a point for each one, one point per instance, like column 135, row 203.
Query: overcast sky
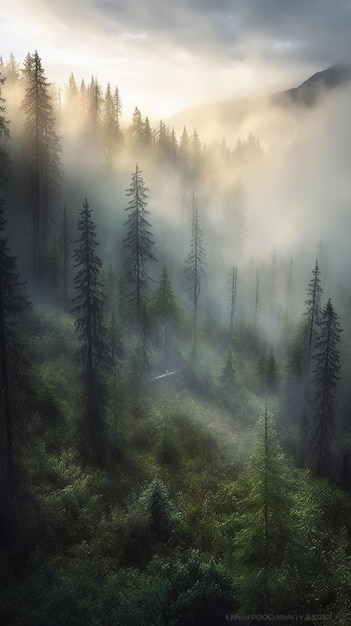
column 165, row 55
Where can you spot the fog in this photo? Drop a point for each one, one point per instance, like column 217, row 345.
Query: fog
column 271, row 183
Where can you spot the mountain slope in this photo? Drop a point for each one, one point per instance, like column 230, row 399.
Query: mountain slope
column 219, row 119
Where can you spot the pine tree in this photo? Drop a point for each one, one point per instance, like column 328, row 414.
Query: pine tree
column 13, row 303
column 94, row 110
column 313, row 312
column 233, row 279
column 110, row 123
column 12, row 71
column 66, row 241
column 42, row 155
column 136, row 130
column 163, row 302
column 71, row 95
column 325, row 376
column 93, row 352
column 229, row 370
column 164, row 310
column 4, row 130
column 138, row 242
column 184, row 152
column 271, row 372
column 196, row 262
column 265, row 527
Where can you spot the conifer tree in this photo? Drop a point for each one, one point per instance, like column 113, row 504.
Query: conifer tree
column 184, row 152
column 196, row 262
column 325, row 376
column 313, row 312
column 138, row 242
column 65, row 257
column 229, row 370
column 12, row 71
column 4, row 129
column 93, row 352
column 265, row 526
column 42, row 155
column 94, row 110
column 164, row 310
column 13, row 303
column 72, row 94
column 233, row 279
column 136, row 130
column 110, row 122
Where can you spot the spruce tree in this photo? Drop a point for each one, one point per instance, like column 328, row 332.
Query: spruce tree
column 196, row 262
column 13, row 303
column 42, row 155
column 93, row 352
column 94, row 110
column 138, row 242
column 164, row 310
column 110, row 125
column 325, row 376
column 233, row 280
column 313, row 312
column 312, row 315
column 265, row 529
column 136, row 130
column 65, row 241
column 4, row 129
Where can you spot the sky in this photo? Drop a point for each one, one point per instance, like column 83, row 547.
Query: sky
column 167, row 55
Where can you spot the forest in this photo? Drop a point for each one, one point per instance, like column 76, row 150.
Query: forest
column 175, row 365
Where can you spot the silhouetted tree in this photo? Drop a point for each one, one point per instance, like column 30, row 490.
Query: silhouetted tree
column 136, row 130
column 229, row 371
column 196, row 262
column 13, row 303
column 94, row 110
column 110, row 123
column 66, row 241
column 41, row 153
column 138, row 241
column 233, row 279
column 4, row 129
column 313, row 312
column 93, row 352
column 325, row 377
column 164, row 309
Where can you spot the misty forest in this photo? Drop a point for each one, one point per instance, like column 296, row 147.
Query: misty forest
column 175, row 358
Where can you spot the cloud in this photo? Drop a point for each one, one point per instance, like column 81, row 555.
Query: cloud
column 202, row 45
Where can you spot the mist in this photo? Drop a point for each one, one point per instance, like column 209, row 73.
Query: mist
column 187, row 346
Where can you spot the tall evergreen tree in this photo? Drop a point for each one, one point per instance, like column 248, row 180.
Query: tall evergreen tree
column 233, row 279
column 138, row 242
column 312, row 315
column 164, row 310
column 196, row 262
column 94, row 110
column 265, row 527
column 110, row 123
column 136, row 130
column 13, row 303
column 4, row 129
column 313, row 312
column 42, row 155
column 93, row 352
column 325, row 377
column 65, row 241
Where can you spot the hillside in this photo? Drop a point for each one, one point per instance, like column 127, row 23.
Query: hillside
column 224, row 118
